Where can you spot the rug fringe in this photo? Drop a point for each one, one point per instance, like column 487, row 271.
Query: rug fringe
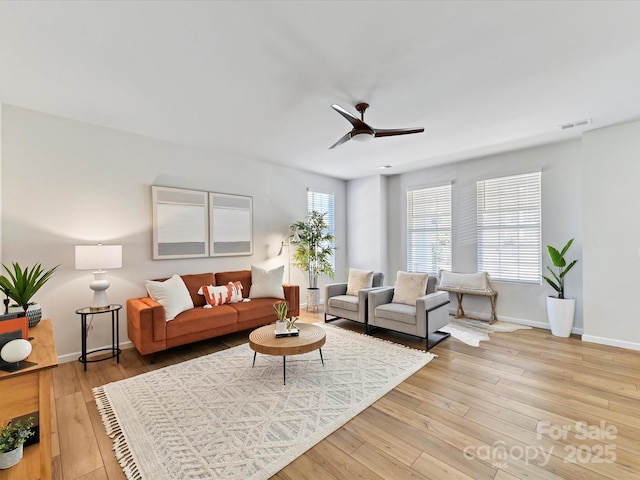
column 112, row 427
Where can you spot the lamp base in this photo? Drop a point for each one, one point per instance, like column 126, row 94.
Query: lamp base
column 99, row 309
column 99, row 287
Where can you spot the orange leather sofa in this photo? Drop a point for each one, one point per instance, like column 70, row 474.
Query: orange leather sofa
column 150, row 332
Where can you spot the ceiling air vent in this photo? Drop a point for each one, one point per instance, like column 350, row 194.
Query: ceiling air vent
column 579, row 123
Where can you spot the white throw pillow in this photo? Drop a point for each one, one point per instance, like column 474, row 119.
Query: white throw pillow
column 409, row 287
column 266, row 283
column 172, row 294
column 219, row 295
column 359, row 279
column 465, row 281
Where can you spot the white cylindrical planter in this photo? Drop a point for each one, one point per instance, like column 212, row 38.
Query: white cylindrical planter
column 9, row 459
column 561, row 312
column 313, row 299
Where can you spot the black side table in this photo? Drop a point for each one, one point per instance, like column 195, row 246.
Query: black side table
column 115, row 334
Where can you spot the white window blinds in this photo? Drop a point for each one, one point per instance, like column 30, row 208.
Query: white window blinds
column 508, row 228
column 323, row 203
column 429, row 229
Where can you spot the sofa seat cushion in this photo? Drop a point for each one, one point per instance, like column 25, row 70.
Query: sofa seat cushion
column 397, row 312
column 344, row 302
column 200, row 319
column 255, row 309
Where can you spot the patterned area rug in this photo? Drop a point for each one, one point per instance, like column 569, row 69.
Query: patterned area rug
column 472, row 332
column 216, row 417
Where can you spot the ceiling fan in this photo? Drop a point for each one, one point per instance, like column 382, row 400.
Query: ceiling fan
column 362, row 131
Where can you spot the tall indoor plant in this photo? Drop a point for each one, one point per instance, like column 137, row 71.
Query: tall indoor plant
column 560, row 309
column 21, row 285
column 314, row 248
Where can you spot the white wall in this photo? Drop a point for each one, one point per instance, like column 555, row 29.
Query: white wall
column 561, row 168
column 366, row 224
column 66, row 183
column 612, row 235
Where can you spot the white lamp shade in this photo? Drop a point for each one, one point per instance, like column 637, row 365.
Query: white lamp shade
column 98, row 257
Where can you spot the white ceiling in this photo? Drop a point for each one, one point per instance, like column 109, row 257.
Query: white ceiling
column 258, row 78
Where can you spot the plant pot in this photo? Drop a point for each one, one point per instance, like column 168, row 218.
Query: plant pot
column 281, row 327
column 34, row 313
column 561, row 312
column 313, row 299
column 9, row 459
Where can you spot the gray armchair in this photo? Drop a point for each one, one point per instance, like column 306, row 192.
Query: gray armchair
column 337, row 304
column 423, row 320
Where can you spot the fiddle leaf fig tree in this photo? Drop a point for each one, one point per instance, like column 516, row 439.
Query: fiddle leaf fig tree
column 314, row 247
column 558, row 260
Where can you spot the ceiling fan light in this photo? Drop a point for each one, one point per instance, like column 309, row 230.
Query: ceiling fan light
column 362, row 137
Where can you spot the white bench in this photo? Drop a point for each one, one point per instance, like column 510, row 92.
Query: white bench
column 470, row 284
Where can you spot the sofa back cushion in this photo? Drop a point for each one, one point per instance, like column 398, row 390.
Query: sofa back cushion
column 242, row 276
column 194, row 282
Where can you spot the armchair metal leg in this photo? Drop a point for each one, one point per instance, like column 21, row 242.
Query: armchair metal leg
column 437, row 337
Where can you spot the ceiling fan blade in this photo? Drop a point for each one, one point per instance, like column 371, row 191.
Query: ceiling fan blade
column 355, row 121
column 341, row 141
column 381, row 132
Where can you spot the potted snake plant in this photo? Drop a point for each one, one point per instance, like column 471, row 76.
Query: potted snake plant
column 21, row 284
column 560, row 309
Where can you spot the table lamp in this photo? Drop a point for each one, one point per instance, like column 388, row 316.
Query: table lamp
column 99, row 258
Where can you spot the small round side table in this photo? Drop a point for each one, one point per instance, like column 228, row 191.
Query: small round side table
column 114, row 309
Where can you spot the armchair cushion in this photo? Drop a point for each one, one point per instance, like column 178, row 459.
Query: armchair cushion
column 409, row 287
column 359, row 279
column 345, row 302
column 398, row 312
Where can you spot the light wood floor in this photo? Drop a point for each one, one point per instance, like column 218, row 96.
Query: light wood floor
column 472, row 413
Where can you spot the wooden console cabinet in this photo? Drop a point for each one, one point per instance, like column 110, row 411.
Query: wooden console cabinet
column 29, row 391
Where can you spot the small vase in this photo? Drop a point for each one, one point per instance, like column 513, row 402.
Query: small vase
column 33, row 313
column 9, row 459
column 281, row 327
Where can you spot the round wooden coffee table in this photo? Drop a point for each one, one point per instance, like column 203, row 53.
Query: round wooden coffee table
column 310, row 338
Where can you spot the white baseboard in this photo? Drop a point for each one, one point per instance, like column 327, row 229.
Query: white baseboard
column 519, row 321
column 612, row 342
column 73, row 357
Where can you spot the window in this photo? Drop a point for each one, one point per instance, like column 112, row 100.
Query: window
column 429, row 229
column 323, row 203
column 508, row 229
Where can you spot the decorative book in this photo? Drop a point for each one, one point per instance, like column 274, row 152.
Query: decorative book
column 294, row 332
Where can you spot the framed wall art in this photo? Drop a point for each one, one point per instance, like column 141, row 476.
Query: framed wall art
column 231, row 225
column 180, row 223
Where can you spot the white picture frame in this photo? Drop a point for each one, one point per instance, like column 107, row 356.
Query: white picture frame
column 230, row 225
column 180, row 223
